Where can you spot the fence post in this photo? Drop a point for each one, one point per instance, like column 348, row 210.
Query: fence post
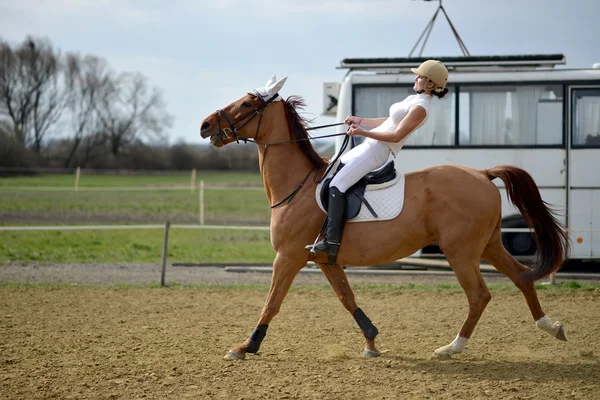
column 77, row 173
column 164, row 254
column 201, row 202
column 193, row 180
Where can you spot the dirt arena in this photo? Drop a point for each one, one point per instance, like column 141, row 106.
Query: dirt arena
column 97, row 342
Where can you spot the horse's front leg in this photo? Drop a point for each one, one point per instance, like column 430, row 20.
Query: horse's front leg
column 339, row 282
column 285, row 270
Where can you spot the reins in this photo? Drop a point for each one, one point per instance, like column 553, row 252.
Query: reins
column 291, row 195
column 303, row 139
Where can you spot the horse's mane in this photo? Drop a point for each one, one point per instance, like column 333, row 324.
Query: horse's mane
column 297, row 127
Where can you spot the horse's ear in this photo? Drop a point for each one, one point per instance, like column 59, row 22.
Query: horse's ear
column 274, row 87
column 271, row 81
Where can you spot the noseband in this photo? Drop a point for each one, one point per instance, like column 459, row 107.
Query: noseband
column 232, row 131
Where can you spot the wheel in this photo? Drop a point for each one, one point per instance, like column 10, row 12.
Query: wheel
column 519, row 244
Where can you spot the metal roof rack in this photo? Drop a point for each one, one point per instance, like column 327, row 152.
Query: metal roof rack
column 531, row 61
column 429, row 27
column 466, row 62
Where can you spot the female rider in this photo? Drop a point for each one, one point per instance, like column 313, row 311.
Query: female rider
column 387, row 135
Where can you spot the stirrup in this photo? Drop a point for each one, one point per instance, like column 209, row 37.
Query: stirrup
column 331, row 249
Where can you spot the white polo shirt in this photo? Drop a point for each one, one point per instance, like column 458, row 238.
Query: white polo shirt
column 397, row 113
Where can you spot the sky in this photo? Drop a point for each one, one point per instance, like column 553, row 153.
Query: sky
column 204, row 55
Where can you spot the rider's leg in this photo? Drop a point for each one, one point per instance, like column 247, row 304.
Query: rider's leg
column 364, row 158
column 358, row 162
column 335, row 226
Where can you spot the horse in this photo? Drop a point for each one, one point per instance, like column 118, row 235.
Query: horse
column 456, row 206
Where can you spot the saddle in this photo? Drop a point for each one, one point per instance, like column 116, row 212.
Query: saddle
column 355, row 196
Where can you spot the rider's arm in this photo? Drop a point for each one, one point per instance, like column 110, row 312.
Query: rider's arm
column 372, row 122
column 409, row 123
column 365, row 122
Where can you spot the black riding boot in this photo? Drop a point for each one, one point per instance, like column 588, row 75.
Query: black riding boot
column 335, row 226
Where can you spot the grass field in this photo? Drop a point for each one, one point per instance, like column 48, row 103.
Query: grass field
column 221, row 206
column 139, row 201
column 135, row 246
column 132, row 180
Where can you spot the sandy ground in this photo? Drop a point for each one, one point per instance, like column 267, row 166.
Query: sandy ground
column 102, row 342
column 97, row 342
column 150, row 273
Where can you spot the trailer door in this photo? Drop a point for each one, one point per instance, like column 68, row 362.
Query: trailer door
column 584, row 172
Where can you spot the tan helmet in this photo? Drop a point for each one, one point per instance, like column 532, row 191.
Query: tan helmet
column 433, row 70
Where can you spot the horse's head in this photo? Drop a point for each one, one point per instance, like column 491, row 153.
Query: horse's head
column 237, row 121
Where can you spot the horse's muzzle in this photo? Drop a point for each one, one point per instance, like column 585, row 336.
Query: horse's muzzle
column 205, row 130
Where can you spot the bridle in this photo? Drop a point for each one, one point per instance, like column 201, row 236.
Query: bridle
column 232, row 131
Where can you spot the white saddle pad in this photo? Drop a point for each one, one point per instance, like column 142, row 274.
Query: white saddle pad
column 386, row 199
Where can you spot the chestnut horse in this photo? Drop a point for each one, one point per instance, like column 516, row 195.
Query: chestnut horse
column 458, row 207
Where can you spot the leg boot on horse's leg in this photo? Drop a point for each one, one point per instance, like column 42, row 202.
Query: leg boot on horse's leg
column 335, row 226
column 478, row 296
column 339, row 282
column 284, row 272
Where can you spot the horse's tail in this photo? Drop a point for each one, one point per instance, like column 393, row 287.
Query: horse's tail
column 550, row 236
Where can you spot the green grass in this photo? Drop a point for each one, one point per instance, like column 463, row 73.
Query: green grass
column 145, row 245
column 141, row 180
column 220, row 206
column 20, row 205
column 139, row 200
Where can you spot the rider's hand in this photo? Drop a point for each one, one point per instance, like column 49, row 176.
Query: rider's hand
column 351, row 120
column 356, row 131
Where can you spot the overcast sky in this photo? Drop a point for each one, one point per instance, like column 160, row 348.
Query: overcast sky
column 206, row 54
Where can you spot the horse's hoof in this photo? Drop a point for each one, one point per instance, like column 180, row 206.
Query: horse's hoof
column 444, row 352
column 560, row 331
column 370, row 353
column 232, row 355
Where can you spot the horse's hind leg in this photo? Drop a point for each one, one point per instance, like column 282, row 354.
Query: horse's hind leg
column 496, row 254
column 339, row 282
column 285, row 270
column 478, row 296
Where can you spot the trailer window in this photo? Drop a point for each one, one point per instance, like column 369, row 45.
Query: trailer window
column 510, row 115
column 375, row 102
column 586, row 117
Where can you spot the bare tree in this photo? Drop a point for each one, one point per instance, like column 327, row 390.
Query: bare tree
column 32, row 95
column 89, row 79
column 41, row 90
column 51, row 92
column 15, row 91
column 131, row 111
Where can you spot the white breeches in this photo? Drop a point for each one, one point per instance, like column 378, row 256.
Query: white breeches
column 364, row 158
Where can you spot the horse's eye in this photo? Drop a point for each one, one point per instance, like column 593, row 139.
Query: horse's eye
column 246, row 104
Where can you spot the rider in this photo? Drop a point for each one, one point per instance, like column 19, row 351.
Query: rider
column 388, row 134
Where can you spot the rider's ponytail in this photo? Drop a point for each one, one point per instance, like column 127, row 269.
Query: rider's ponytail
column 440, row 92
